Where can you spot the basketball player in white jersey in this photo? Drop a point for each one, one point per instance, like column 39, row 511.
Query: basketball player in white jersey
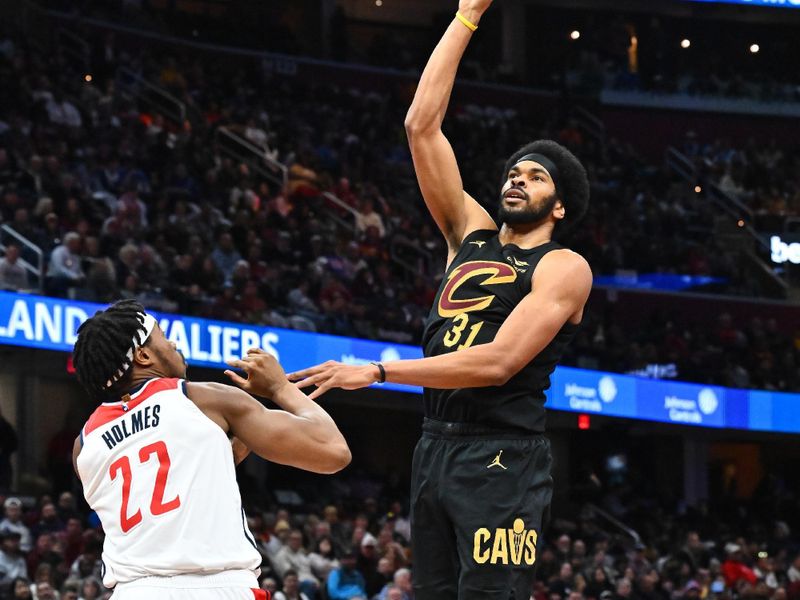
column 156, row 463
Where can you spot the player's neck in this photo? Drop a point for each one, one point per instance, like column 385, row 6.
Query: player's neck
column 526, row 236
column 141, row 376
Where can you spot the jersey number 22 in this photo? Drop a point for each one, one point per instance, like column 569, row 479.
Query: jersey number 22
column 157, row 504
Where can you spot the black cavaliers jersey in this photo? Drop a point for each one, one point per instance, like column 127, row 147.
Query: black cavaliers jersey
column 483, row 284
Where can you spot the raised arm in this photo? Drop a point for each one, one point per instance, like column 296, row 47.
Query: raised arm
column 456, row 213
column 561, row 287
column 301, row 435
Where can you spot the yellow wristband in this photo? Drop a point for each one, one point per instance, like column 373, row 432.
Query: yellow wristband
column 467, row 23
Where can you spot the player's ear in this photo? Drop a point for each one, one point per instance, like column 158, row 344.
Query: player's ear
column 559, row 210
column 144, row 356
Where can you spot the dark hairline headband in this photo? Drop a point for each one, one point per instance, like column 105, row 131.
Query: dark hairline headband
column 548, row 165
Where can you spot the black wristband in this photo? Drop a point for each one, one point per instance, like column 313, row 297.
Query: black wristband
column 382, row 371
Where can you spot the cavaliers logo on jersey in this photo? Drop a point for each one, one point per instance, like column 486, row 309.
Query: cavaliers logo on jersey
column 491, row 272
column 515, row 546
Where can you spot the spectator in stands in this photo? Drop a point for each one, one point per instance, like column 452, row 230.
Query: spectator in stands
column 48, row 520
column 91, row 589
column 270, row 585
column 65, row 273
column 696, row 550
column 293, row 557
column 393, row 592
column 13, row 275
column 347, row 583
column 793, row 574
column 71, row 591
column 13, row 522
column 323, row 559
column 45, row 591
column 764, row 569
column 225, row 256
column 338, row 531
column 62, row 112
column 20, row 589
column 598, row 583
column 47, row 551
column 734, row 569
column 388, row 548
column 367, row 562
column 384, row 574
column 401, row 583
column 367, row 217
column 565, row 582
column 12, row 563
column 624, row 589
column 291, row 588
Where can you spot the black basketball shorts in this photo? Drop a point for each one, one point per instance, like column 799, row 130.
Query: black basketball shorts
column 479, row 498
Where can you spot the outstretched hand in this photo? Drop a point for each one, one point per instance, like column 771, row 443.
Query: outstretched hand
column 334, row 374
column 265, row 376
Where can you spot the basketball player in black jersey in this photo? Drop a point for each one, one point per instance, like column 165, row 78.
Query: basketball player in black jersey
column 510, row 302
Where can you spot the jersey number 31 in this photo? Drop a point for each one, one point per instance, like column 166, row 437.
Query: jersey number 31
column 157, row 504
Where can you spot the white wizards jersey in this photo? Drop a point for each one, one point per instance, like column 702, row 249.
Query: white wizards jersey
column 161, row 477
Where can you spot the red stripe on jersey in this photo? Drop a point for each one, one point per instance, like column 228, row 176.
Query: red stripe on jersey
column 261, row 594
column 105, row 414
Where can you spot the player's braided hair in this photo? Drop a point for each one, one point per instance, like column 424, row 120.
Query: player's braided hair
column 102, row 348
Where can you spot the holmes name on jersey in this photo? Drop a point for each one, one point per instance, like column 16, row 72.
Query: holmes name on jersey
column 131, row 424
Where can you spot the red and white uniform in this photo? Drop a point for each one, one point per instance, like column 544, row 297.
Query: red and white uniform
column 161, row 477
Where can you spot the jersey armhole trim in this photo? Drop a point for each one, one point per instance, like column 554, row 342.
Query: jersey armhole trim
column 469, row 237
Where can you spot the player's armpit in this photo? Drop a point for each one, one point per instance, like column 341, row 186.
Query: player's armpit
column 561, row 286
column 240, row 451
column 307, row 440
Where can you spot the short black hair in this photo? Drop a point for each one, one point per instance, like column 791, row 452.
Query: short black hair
column 104, row 341
column 573, row 182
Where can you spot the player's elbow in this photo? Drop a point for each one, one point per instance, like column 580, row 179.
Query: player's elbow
column 417, row 125
column 335, row 458
column 501, row 371
column 496, row 375
column 412, row 127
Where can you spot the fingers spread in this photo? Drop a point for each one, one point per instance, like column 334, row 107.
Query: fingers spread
column 238, row 380
column 303, row 384
column 318, row 392
column 237, row 363
column 304, row 373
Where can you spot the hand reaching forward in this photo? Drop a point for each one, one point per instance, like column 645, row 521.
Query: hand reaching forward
column 334, row 374
column 265, row 376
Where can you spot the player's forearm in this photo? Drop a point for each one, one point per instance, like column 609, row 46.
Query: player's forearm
column 479, row 366
column 294, row 401
column 433, row 93
column 333, row 453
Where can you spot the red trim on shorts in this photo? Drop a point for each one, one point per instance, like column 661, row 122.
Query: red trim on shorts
column 105, row 414
column 261, row 594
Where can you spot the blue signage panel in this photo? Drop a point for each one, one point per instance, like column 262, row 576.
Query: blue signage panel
column 51, row 324
column 777, row 3
column 580, row 390
column 656, row 281
column 684, row 403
